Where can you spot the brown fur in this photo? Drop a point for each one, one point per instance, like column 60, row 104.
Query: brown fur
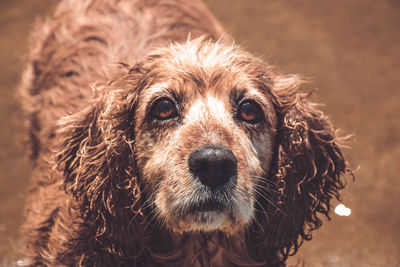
column 111, row 186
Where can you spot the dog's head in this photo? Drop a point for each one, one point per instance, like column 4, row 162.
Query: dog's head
column 207, row 138
column 204, row 135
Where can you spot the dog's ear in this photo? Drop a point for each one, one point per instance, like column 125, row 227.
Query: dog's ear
column 308, row 164
column 96, row 154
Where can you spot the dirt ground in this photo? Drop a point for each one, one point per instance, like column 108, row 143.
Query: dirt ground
column 351, row 49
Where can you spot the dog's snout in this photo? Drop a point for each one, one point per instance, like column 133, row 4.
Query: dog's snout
column 213, row 165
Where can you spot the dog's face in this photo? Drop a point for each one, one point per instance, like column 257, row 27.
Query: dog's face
column 204, row 137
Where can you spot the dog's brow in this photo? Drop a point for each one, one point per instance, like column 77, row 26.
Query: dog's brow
column 197, row 79
column 215, row 78
column 237, row 94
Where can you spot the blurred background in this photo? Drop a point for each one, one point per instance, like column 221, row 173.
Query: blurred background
column 351, row 50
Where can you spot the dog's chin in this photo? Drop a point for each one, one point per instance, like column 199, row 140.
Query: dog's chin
column 205, row 221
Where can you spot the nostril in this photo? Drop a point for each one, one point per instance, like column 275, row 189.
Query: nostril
column 229, row 165
column 213, row 165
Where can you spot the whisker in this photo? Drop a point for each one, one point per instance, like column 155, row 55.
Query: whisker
column 147, row 203
column 264, row 211
column 258, row 223
column 154, row 217
column 259, row 204
column 268, row 200
column 263, row 179
column 270, row 190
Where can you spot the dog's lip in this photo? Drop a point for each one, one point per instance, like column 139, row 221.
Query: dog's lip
column 207, row 205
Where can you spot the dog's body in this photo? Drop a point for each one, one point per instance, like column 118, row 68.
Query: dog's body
column 197, row 154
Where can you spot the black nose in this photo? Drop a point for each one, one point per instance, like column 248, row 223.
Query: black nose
column 213, row 165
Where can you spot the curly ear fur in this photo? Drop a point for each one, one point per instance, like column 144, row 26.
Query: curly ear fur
column 306, row 171
column 97, row 159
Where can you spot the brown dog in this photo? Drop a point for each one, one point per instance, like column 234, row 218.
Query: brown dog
column 196, row 154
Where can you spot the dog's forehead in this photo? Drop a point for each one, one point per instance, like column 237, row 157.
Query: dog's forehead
column 213, row 87
column 210, row 66
column 193, row 80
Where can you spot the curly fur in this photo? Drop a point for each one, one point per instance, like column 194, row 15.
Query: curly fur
column 88, row 202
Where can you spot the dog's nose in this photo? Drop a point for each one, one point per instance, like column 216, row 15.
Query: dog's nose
column 213, row 165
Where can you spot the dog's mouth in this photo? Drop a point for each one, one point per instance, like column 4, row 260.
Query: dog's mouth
column 208, row 214
column 208, row 205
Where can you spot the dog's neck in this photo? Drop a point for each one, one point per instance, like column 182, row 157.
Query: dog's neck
column 205, row 251
column 198, row 250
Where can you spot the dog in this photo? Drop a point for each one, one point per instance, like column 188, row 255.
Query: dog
column 158, row 142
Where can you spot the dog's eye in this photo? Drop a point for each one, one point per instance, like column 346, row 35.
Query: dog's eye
column 164, row 109
column 249, row 112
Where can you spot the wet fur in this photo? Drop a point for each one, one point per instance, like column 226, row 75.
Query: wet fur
column 92, row 181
